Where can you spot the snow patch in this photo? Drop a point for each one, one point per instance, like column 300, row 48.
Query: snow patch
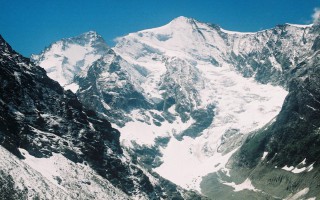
column 67, row 176
column 45, row 166
column 309, row 168
column 245, row 185
column 312, row 108
column 264, row 155
column 299, row 169
column 73, row 87
column 303, row 162
column 17, row 76
column 185, row 164
column 143, row 131
column 275, row 63
column 236, row 32
column 301, row 25
column 288, row 168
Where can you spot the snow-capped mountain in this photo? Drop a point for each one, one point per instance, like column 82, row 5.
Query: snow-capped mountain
column 185, row 96
column 68, row 57
column 274, row 50
column 54, row 148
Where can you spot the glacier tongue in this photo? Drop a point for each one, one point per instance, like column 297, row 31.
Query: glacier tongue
column 242, row 106
column 189, row 59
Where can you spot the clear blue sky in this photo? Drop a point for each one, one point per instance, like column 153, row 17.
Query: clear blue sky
column 30, row 25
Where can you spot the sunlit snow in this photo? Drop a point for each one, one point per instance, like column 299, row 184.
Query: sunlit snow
column 68, row 57
column 73, row 87
column 300, row 168
column 264, row 155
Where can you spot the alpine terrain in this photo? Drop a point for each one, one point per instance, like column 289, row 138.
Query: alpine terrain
column 54, row 148
column 173, row 112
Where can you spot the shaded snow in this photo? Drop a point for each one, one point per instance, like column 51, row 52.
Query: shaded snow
column 69, row 177
column 43, row 165
column 25, row 176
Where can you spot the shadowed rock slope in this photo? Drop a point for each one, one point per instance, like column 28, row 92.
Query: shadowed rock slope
column 42, row 122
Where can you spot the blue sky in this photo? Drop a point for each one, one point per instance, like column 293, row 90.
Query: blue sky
column 31, row 25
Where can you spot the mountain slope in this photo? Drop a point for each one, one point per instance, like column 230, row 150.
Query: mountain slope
column 293, row 140
column 26, row 179
column 63, row 146
column 281, row 160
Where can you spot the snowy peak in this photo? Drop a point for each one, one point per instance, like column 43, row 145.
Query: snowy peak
column 183, row 36
column 179, row 26
column 90, row 38
column 175, row 25
column 91, row 35
column 182, row 21
column 64, row 59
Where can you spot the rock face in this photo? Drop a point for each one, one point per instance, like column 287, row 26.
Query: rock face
column 292, row 142
column 281, row 160
column 110, row 89
column 57, row 149
column 185, row 96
